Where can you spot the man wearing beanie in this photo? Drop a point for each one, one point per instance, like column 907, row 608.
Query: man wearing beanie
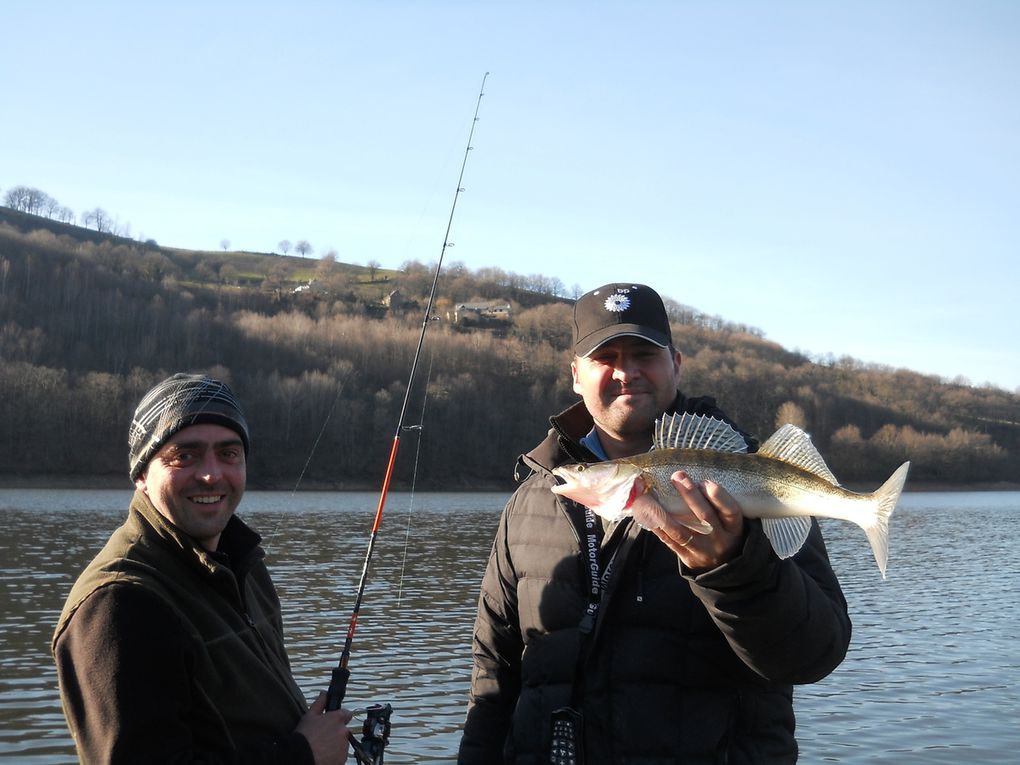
column 170, row 646
column 600, row 642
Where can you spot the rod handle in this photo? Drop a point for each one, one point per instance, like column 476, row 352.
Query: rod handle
column 337, row 688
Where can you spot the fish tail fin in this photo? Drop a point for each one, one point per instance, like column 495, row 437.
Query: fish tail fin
column 877, row 529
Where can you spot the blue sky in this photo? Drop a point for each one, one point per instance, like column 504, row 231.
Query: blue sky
column 845, row 176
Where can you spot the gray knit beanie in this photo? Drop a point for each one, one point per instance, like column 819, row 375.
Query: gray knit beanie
column 176, row 403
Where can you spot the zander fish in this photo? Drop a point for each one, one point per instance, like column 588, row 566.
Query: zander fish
column 784, row 483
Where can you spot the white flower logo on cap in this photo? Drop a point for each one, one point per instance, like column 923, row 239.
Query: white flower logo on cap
column 617, row 303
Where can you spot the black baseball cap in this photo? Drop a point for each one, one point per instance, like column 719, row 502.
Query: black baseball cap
column 616, row 310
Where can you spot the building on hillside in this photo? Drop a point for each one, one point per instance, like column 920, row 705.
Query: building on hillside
column 479, row 313
column 313, row 287
column 395, row 301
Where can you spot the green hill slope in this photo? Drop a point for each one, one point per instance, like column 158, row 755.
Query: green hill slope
column 320, row 351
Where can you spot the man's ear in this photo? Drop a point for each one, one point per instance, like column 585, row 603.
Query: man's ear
column 573, row 376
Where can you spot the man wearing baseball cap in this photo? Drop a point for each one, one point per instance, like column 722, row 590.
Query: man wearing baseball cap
column 170, row 645
column 602, row 642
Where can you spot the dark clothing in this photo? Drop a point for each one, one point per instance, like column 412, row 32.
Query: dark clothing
column 169, row 653
column 680, row 668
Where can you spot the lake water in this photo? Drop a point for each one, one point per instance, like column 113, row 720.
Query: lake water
column 933, row 673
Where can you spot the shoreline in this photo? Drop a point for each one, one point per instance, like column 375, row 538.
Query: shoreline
column 120, row 482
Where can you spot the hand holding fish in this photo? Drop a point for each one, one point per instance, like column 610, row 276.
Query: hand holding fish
column 715, row 507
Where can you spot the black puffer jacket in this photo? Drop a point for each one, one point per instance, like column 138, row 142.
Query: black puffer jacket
column 680, row 668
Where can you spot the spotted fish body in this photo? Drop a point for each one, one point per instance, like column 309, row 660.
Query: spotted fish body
column 784, row 484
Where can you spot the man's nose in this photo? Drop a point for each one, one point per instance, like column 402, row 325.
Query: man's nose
column 626, row 368
column 209, row 469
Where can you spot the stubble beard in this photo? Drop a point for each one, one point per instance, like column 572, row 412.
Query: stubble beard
column 627, row 422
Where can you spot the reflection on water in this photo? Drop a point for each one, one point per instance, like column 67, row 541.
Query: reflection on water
column 412, row 647
column 933, row 673
column 931, row 677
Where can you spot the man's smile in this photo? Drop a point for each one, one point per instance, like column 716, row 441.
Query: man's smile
column 207, row 499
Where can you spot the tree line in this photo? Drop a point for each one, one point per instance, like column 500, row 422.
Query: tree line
column 86, row 326
column 36, row 202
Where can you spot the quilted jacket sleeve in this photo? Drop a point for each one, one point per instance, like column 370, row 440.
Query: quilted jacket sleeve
column 497, row 647
column 786, row 619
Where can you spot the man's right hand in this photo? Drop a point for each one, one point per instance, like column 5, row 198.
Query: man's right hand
column 326, row 732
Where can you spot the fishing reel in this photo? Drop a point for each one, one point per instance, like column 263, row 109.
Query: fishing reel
column 375, row 734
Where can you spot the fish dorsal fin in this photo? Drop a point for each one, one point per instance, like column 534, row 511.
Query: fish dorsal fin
column 697, row 431
column 793, row 446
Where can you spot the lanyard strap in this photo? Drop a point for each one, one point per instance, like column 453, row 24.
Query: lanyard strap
column 590, row 535
column 597, row 578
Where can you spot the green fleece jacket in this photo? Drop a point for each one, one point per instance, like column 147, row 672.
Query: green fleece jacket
column 168, row 653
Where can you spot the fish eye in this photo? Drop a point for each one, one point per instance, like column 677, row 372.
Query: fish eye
column 581, row 468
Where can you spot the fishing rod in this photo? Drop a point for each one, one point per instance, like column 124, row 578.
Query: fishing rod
column 341, row 674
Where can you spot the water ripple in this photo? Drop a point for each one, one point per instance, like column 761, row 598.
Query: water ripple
column 931, row 676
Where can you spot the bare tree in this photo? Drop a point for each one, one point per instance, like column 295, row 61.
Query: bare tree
column 25, row 199
column 276, row 276
column 327, row 263
column 303, row 247
column 98, row 218
column 284, row 246
column 206, row 270
column 373, row 266
column 225, row 244
column 792, row 413
column 228, row 274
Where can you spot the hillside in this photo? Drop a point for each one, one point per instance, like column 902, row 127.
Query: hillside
column 89, row 321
